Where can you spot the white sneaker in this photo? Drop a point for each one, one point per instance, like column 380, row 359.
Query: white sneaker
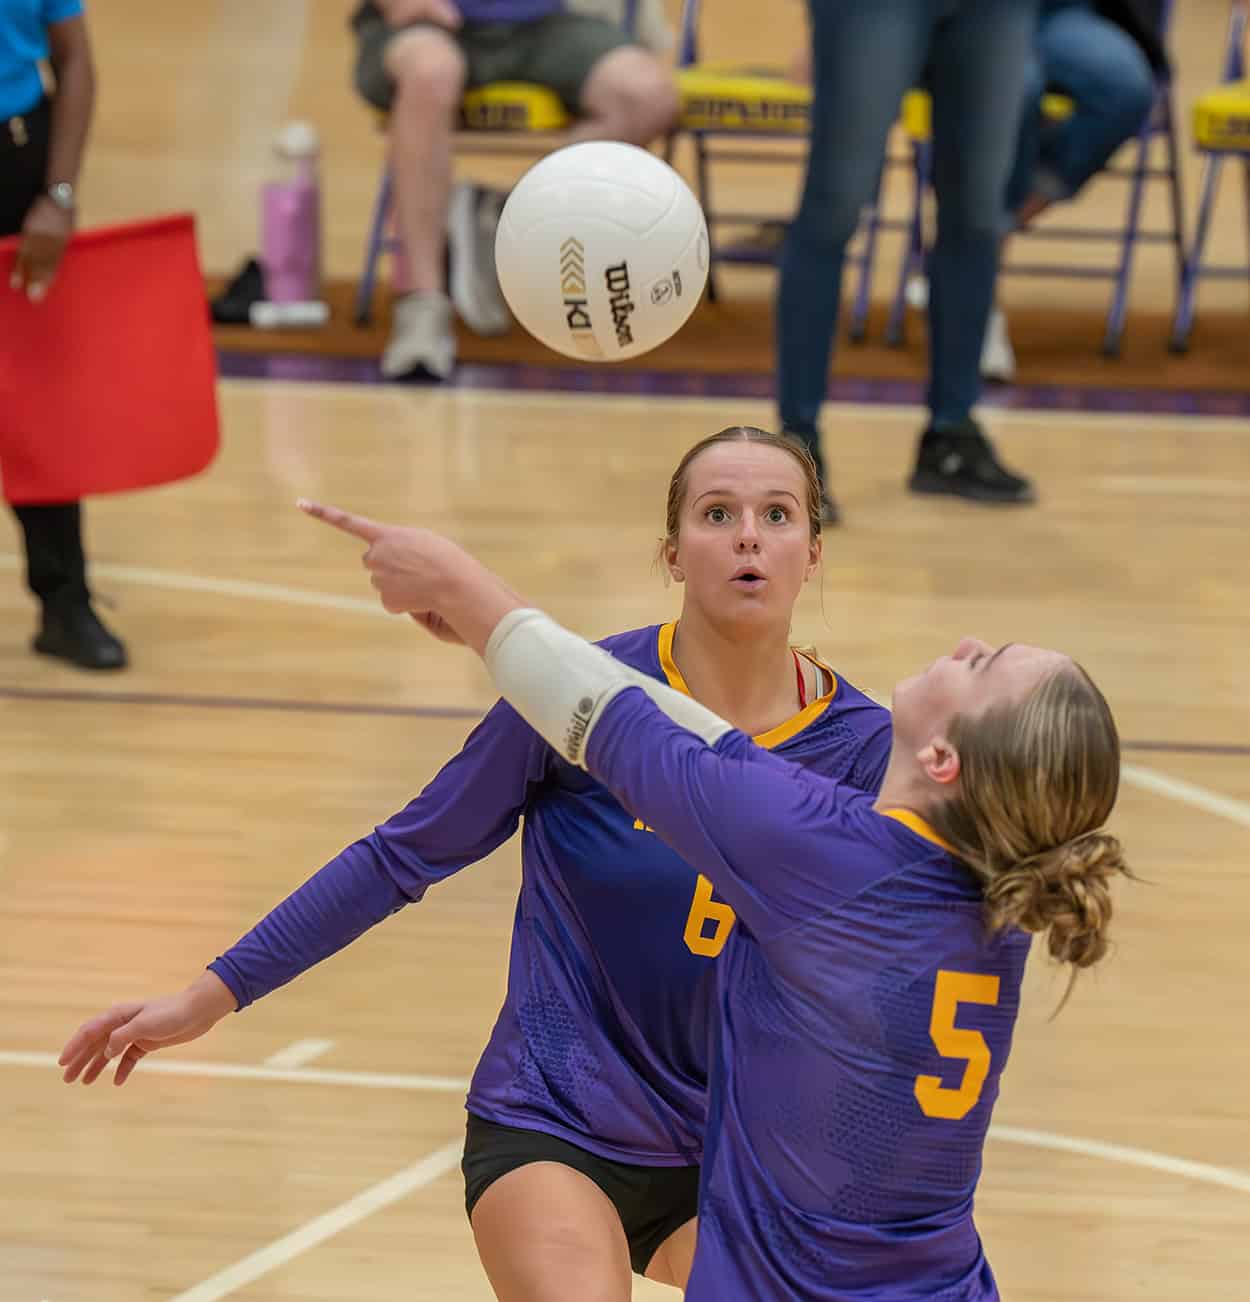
column 998, row 358
column 472, row 219
column 916, row 293
column 422, row 341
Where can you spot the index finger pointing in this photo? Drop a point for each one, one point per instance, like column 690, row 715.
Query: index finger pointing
column 358, row 525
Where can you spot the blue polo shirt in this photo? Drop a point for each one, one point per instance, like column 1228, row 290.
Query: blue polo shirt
column 23, row 42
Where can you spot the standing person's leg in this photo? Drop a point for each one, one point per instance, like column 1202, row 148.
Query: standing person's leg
column 1110, row 82
column 980, row 60
column 998, row 358
column 864, row 57
column 56, row 569
column 56, row 572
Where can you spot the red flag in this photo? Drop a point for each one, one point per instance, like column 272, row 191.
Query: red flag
column 109, row 383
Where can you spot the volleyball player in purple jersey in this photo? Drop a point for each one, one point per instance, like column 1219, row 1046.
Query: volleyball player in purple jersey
column 868, row 995
column 586, row 1111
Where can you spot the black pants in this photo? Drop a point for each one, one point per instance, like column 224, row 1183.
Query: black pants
column 56, row 569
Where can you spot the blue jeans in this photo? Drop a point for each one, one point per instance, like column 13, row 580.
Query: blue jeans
column 972, row 54
column 1104, row 72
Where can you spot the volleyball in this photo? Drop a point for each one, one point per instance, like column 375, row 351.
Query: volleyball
column 602, row 251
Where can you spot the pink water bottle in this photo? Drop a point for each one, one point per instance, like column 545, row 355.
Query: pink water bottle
column 290, row 234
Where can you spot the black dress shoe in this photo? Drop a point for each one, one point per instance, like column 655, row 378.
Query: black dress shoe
column 74, row 633
column 959, row 460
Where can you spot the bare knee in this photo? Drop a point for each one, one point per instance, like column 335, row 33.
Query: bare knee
column 428, row 70
column 632, row 94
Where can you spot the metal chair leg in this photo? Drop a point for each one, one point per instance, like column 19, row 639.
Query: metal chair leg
column 913, row 260
column 863, row 294
column 1183, row 324
column 1114, row 331
column 703, row 182
column 373, row 250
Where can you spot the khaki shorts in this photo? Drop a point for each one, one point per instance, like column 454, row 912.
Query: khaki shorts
column 558, row 52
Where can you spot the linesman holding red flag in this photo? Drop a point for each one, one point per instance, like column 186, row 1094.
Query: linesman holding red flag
column 107, row 369
column 41, row 146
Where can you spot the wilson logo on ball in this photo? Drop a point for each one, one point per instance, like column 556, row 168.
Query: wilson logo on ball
column 617, row 280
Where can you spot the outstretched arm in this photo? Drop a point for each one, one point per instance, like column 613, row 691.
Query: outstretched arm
column 759, row 827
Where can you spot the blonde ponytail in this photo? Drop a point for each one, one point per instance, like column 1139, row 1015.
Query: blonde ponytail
column 1038, row 779
column 1064, row 893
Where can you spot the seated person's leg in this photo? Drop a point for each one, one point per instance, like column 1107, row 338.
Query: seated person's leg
column 619, row 90
column 979, row 63
column 1109, row 79
column 998, row 357
column 418, row 73
column 1028, row 141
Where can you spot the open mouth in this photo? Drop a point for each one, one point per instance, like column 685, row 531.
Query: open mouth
column 748, row 578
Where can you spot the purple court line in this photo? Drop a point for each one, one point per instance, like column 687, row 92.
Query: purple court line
column 681, row 384
column 268, row 703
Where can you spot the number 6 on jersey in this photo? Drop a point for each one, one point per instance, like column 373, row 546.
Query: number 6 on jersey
column 702, row 909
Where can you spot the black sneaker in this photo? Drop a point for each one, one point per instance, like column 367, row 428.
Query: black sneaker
column 75, row 633
column 959, row 460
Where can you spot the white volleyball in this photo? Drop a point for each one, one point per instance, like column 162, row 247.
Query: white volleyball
column 602, row 251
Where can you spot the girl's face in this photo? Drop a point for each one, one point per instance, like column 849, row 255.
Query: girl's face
column 969, row 681
column 744, row 549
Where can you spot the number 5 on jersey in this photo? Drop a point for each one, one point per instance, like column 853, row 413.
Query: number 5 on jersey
column 949, row 991
column 704, row 909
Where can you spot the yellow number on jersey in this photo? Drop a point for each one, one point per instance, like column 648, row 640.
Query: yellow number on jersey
column 950, row 990
column 702, row 908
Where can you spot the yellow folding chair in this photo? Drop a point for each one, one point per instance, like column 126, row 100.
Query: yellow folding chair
column 1221, row 125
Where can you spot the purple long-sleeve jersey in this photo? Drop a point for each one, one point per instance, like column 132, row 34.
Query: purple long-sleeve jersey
column 603, row 1037
column 864, row 1018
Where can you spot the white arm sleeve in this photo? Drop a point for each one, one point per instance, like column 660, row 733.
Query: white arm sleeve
column 560, row 684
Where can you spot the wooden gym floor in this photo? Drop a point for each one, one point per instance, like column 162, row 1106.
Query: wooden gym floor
column 308, row 1149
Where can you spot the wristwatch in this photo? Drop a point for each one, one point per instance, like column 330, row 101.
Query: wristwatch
column 62, row 194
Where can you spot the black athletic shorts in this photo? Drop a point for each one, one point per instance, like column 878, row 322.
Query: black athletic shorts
column 652, row 1201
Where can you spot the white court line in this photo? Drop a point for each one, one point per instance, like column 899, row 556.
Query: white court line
column 1201, row 1171
column 299, row 1054
column 1236, row 811
column 221, row 587
column 330, row 1223
column 370, row 1080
